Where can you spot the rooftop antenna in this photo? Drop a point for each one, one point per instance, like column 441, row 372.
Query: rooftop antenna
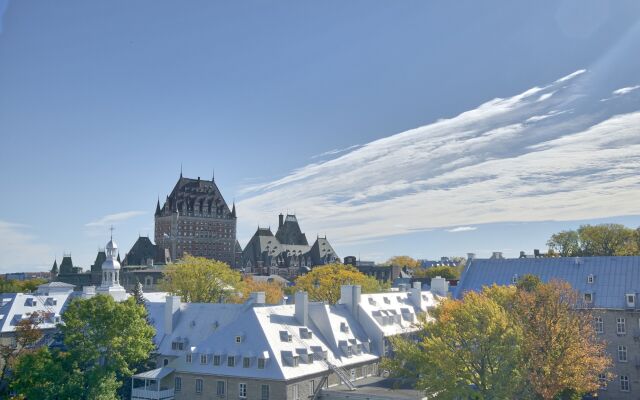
column 180, row 170
column 213, row 175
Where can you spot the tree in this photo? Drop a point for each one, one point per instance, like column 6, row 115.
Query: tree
column 565, row 243
column 606, row 240
column 470, row 351
column 200, row 280
column 138, row 294
column 535, row 334
column 273, row 290
column 403, row 261
column 323, row 283
column 561, row 351
column 596, row 240
column 27, row 334
column 15, row 286
column 442, row 271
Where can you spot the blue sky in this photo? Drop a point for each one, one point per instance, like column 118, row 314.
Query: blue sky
column 454, row 115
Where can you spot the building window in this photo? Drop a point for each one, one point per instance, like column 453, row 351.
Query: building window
column 238, row 339
column 602, row 381
column 624, row 383
column 165, row 362
column 295, row 392
column 189, row 357
column 590, row 278
column 246, row 362
column 264, row 392
column 588, row 297
column 198, row 385
column 178, row 384
column 216, row 360
column 261, row 362
column 599, row 325
column 622, row 353
column 242, row 390
column 514, row 279
column 220, row 386
column 231, row 361
column 621, row 326
column 203, row 358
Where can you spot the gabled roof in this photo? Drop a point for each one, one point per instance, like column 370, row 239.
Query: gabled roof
column 141, row 251
column 188, row 191
column 19, row 306
column 395, row 312
column 322, row 252
column 613, row 277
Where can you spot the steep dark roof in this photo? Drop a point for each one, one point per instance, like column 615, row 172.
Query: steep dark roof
column 97, row 264
column 190, row 195
column 143, row 249
column 322, row 252
column 54, row 269
column 289, row 232
column 66, row 266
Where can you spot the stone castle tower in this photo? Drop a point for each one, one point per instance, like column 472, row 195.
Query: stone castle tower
column 195, row 219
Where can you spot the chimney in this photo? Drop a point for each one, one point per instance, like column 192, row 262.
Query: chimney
column 536, row 253
column 302, row 308
column 471, row 256
column 350, row 295
column 280, row 220
column 171, row 308
column 439, row 286
column 497, row 255
column 522, row 254
column 416, row 294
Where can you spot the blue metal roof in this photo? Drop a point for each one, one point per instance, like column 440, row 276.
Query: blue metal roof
column 613, row 277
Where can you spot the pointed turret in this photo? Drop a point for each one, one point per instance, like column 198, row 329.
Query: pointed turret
column 213, row 175
column 119, row 258
column 54, row 269
column 233, row 210
column 158, row 207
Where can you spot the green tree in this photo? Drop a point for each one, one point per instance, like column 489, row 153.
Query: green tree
column 442, row 271
column 565, row 243
column 200, row 280
column 529, row 283
column 27, row 333
column 138, row 294
column 470, row 351
column 323, row 283
column 606, row 240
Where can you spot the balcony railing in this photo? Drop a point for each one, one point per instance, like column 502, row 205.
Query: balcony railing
column 143, row 394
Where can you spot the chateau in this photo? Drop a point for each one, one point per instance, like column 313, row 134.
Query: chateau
column 287, row 253
column 195, row 219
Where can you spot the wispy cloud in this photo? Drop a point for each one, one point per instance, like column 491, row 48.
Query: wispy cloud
column 20, row 249
column 335, row 151
column 505, row 160
column 113, row 219
column 462, row 229
column 625, row 90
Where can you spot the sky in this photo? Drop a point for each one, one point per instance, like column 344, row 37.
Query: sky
column 421, row 128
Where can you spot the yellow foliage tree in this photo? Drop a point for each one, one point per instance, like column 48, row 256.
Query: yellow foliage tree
column 323, row 283
column 403, row 261
column 200, row 280
column 273, row 291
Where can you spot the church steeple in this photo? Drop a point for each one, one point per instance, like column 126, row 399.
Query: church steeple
column 233, row 210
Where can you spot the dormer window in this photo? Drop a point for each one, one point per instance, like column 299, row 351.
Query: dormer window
column 344, row 327
column 261, row 363
column 386, row 300
column 296, row 361
column 238, row 339
column 203, row 358
column 216, row 360
column 514, row 279
column 285, row 336
column 631, row 299
column 590, row 278
column 588, row 298
column 189, row 358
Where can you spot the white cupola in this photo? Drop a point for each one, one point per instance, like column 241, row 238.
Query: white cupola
column 111, row 273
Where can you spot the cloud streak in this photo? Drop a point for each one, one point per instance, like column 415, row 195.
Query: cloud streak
column 113, row 219
column 550, row 153
column 462, row 229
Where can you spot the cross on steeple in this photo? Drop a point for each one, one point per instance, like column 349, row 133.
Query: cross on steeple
column 111, row 229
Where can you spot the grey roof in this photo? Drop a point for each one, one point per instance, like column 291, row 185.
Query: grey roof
column 613, row 277
column 157, row 373
column 289, row 232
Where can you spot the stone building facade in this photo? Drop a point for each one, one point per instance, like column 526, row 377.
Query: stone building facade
column 196, row 219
